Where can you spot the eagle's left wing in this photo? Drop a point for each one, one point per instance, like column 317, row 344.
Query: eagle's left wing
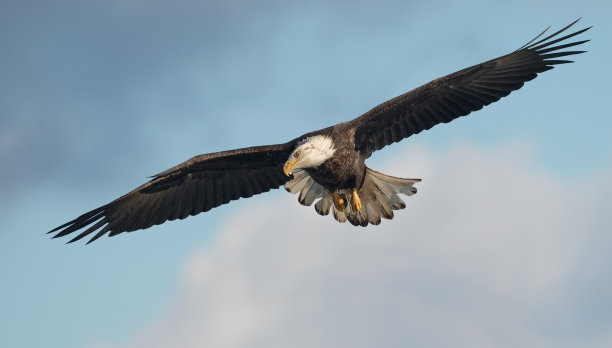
column 446, row 98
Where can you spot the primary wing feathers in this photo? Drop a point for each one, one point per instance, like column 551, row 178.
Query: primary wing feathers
column 197, row 185
column 446, row 98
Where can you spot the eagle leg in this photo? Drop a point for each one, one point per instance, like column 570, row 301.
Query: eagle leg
column 355, row 201
column 339, row 201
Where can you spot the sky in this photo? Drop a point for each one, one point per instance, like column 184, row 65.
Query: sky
column 505, row 244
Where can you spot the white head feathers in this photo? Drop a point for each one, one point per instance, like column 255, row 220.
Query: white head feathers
column 313, row 151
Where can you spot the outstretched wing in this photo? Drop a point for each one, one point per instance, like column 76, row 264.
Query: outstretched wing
column 446, row 98
column 197, row 185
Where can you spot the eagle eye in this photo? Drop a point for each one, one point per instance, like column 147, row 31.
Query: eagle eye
column 296, row 154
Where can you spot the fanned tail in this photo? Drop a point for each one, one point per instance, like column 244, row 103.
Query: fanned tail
column 378, row 194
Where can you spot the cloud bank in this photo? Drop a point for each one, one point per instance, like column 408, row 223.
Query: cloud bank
column 490, row 253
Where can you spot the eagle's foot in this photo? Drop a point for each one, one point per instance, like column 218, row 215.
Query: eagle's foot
column 339, row 201
column 355, row 202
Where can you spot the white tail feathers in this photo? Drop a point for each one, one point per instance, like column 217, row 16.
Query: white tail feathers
column 378, row 194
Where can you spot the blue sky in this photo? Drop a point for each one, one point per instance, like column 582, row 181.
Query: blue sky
column 97, row 95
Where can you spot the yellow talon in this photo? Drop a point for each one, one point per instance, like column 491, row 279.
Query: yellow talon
column 355, row 202
column 339, row 201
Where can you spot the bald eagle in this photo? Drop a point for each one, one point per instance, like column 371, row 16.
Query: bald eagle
column 328, row 165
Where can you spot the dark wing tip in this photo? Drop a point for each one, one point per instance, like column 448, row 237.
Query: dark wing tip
column 95, row 219
column 60, row 227
column 543, row 43
column 552, row 47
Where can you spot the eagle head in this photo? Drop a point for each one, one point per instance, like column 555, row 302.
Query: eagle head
column 310, row 153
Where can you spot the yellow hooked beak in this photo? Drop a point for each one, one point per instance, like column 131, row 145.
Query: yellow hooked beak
column 288, row 167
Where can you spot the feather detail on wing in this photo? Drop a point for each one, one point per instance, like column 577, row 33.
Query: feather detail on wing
column 446, row 98
column 197, row 185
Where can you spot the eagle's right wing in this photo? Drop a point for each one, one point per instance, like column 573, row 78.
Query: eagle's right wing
column 197, row 185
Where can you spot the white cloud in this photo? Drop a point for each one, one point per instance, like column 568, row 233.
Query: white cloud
column 483, row 256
